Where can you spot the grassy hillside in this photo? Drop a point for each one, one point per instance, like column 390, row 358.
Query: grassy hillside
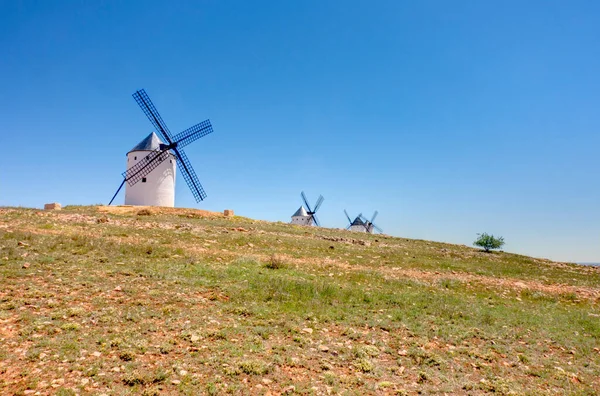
column 181, row 301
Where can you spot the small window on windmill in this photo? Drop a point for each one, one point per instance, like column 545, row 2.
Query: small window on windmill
column 135, row 158
column 143, row 180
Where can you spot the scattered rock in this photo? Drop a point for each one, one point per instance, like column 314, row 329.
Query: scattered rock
column 182, row 372
column 118, row 288
column 194, row 338
column 403, row 352
column 307, row 330
column 26, row 265
column 52, row 206
column 23, row 244
column 240, row 229
column 323, row 348
column 96, row 354
column 266, row 381
column 176, row 382
column 228, row 212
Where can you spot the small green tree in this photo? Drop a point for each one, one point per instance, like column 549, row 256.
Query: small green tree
column 489, row 242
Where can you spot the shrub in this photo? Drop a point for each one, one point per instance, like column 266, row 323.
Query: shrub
column 488, row 242
column 275, row 262
column 144, row 212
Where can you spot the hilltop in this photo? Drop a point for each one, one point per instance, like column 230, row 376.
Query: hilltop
column 97, row 300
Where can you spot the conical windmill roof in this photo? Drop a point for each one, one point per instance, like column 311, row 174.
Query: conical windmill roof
column 300, row 212
column 150, row 143
column 358, row 222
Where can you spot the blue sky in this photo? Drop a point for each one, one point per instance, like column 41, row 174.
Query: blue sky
column 450, row 118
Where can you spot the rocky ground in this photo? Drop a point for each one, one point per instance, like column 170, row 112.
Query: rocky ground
column 97, row 300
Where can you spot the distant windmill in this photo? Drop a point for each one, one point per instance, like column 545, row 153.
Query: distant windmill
column 307, row 217
column 369, row 225
column 362, row 224
column 150, row 174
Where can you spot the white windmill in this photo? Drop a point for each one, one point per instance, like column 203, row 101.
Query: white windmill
column 156, row 188
column 362, row 224
column 307, row 217
column 150, row 174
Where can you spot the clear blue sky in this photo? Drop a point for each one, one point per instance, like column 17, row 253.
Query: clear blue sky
column 449, row 117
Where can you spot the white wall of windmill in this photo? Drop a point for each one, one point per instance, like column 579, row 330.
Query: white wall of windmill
column 158, row 188
column 358, row 228
column 302, row 220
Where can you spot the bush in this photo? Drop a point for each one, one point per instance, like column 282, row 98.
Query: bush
column 488, row 242
column 275, row 262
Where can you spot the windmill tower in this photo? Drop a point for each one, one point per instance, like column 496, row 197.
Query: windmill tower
column 156, row 188
column 362, row 224
column 307, row 217
column 150, row 174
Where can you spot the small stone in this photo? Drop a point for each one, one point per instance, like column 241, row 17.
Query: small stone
column 403, row 352
column 323, row 348
column 52, row 206
column 42, row 355
column 176, row 382
column 250, row 244
column 118, row 288
column 307, row 330
column 116, row 369
column 182, row 372
column 194, row 338
column 26, row 265
column 85, row 381
column 29, row 392
column 266, row 381
column 96, row 354
column 21, row 243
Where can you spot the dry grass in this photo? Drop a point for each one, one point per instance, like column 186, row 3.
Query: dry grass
column 99, row 301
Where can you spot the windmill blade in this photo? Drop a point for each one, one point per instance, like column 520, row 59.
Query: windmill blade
column 374, row 215
column 148, row 108
column 316, row 220
column 185, row 167
column 145, row 166
column 192, row 134
column 118, row 189
column 349, row 225
column 348, row 217
column 377, row 228
column 363, row 218
column 305, row 201
column 319, row 202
